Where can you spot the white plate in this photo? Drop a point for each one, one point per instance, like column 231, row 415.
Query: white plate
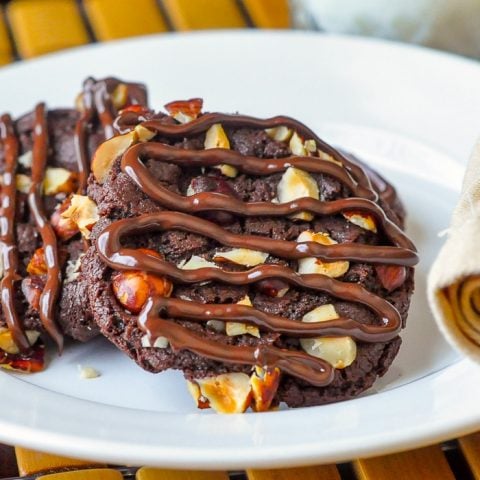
column 410, row 112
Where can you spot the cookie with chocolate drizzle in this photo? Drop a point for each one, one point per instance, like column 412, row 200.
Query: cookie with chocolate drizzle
column 263, row 263
column 44, row 166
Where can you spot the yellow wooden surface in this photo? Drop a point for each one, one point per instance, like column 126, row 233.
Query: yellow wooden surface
column 5, row 47
column 42, row 26
column 112, row 19
column 158, row 474
column 30, row 461
column 470, row 446
column 268, row 13
column 425, row 463
column 200, row 14
column 94, row 474
column 325, row 472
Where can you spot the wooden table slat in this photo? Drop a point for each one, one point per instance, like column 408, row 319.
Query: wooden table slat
column 94, row 474
column 470, row 446
column 425, row 463
column 42, row 26
column 112, row 19
column 160, row 474
column 269, row 13
column 201, row 14
column 30, row 461
column 324, row 472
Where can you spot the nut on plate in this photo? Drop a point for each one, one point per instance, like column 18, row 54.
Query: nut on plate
column 8, row 345
column 362, row 220
column 264, row 384
column 340, row 352
column 59, row 180
column 226, row 393
column 132, row 288
column 241, row 256
column 184, row 111
column 315, row 265
column 81, row 211
column 295, row 184
column 110, row 150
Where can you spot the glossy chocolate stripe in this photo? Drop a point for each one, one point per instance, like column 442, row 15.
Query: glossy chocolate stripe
column 206, row 201
column 193, row 311
column 166, row 220
column 313, row 370
column 132, row 259
column 7, row 232
column 202, row 123
column 50, row 293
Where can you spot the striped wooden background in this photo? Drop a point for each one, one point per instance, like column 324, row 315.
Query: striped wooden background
column 29, row 28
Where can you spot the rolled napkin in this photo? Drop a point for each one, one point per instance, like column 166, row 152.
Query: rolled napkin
column 454, row 279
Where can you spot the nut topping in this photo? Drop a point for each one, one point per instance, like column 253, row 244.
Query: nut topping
column 217, row 138
column 300, row 147
column 37, row 264
column 23, row 182
column 237, row 328
column 241, row 256
column 391, row 276
column 195, row 262
column 279, row 134
column 82, row 212
column 132, row 288
column 315, row 265
column 120, row 96
column 59, row 180
column 184, row 111
column 65, row 228
column 295, row 184
column 264, row 387
column 362, row 220
column 8, row 345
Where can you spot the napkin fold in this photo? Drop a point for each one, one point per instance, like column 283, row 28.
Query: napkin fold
column 454, row 279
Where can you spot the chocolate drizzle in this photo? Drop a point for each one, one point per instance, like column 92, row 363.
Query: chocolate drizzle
column 97, row 102
column 7, row 232
column 51, row 290
column 156, row 317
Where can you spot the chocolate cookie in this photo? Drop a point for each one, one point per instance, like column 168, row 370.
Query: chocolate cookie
column 250, row 255
column 44, row 163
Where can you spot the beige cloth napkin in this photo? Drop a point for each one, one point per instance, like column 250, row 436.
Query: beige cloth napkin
column 454, row 279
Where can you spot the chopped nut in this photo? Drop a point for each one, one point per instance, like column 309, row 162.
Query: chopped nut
column 363, row 220
column 59, row 180
column 65, row 228
column 83, row 213
column 236, row 328
column 88, row 373
column 295, row 184
column 120, row 96
column 279, row 134
column 241, row 256
column 227, row 393
column 227, row 170
column 195, row 262
column 23, row 182
column 391, row 276
column 340, row 352
column 300, row 147
column 264, row 387
column 7, row 344
column 216, row 325
column 79, row 105
column 325, row 156
column 273, row 287
column 110, row 150
column 32, row 288
column 321, row 314
column 72, row 270
column 160, row 342
column 184, row 111
column 37, row 264
column 132, row 288
column 195, row 392
column 315, row 265
column 26, row 159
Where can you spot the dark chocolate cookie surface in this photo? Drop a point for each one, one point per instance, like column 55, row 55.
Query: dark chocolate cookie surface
column 270, row 251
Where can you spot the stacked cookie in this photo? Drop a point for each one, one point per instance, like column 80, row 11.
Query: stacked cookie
column 265, row 265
